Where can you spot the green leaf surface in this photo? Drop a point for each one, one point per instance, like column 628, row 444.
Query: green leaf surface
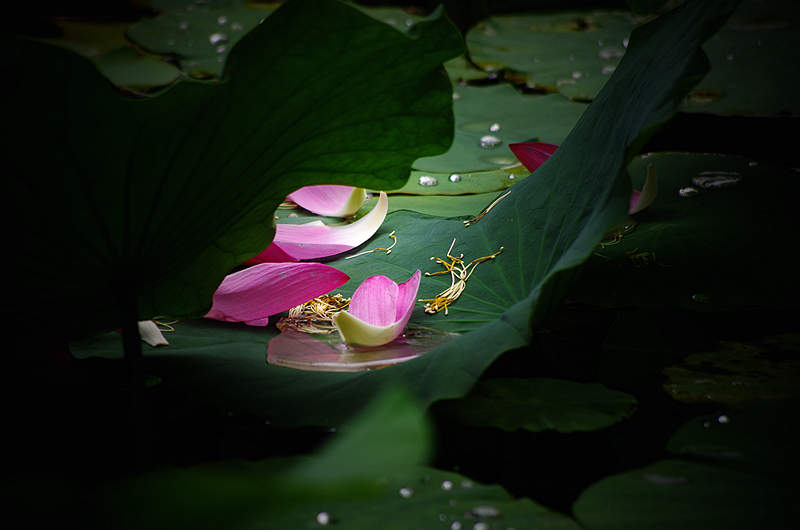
column 539, row 404
column 753, row 62
column 754, row 436
column 501, row 112
column 135, row 72
column 681, row 495
column 716, row 249
column 737, row 371
column 572, row 52
column 163, row 196
column 199, row 36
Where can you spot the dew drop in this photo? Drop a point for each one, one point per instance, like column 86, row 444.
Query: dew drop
column 688, row 191
column 485, row 511
column 490, row 142
column 716, row 179
column 494, row 127
column 511, row 176
column 221, row 48
column 455, row 525
column 455, row 177
column 427, row 180
column 576, row 75
column 406, row 493
column 608, row 70
column 665, row 480
column 183, row 25
column 216, row 38
column 610, row 52
column 447, row 485
column 222, row 20
column 480, row 525
column 723, row 418
column 456, row 96
column 752, row 163
column 237, row 27
column 293, row 214
column 409, row 22
column 323, row 518
column 625, row 43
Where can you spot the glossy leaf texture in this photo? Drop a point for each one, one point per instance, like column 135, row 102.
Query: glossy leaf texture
column 158, row 198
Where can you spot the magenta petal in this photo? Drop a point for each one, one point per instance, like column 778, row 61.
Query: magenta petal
column 272, row 254
column 330, row 200
column 253, row 294
column 532, row 154
column 406, row 298
column 635, row 194
column 375, row 301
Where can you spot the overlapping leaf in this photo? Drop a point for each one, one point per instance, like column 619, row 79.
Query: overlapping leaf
column 159, row 198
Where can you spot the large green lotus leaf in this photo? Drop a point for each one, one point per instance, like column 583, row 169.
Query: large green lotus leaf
column 757, row 435
column 198, row 36
column 681, row 495
column 501, row 112
column 549, row 224
column 163, row 196
column 753, row 60
column 714, row 250
column 572, row 52
column 539, row 404
column 737, row 371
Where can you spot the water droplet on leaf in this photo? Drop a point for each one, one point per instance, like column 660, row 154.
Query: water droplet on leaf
column 485, row 511
column 222, row 20
column 480, row 526
column 216, row 38
column 688, row 191
column 456, row 96
column 183, row 25
column 716, row 179
column 455, row 177
column 490, row 142
column 221, row 48
column 406, row 493
column 455, row 525
column 610, row 52
column 237, row 27
column 323, row 518
column 625, row 43
column 427, row 180
column 608, row 70
column 576, row 75
column 447, row 485
column 494, row 127
column 723, row 418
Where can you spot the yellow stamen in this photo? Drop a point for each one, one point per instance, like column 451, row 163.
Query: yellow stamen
column 288, row 205
column 164, row 326
column 314, row 316
column 459, row 274
column 486, row 210
column 388, row 250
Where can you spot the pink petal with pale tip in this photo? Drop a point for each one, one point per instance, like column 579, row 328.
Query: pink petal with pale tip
column 330, row 200
column 532, row 154
column 251, row 295
column 406, row 298
column 642, row 199
column 317, row 240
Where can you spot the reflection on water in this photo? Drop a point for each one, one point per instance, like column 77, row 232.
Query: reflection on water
column 327, row 353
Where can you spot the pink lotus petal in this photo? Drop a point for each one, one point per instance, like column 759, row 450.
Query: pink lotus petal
column 532, row 154
column 642, row 199
column 379, row 311
column 330, row 200
column 251, row 295
column 272, row 254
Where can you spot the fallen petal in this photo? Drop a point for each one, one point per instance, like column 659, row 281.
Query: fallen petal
column 317, row 240
column 330, row 200
column 642, row 199
column 253, row 294
column 532, row 154
column 379, row 311
column 149, row 333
